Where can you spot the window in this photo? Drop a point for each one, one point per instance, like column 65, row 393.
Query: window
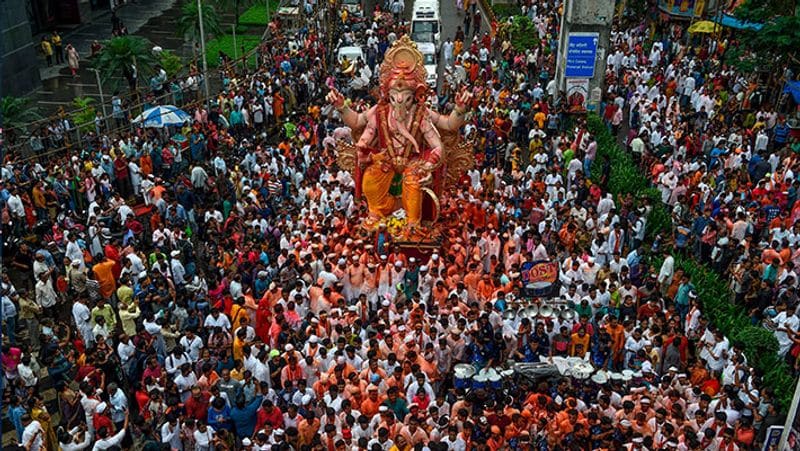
column 424, row 27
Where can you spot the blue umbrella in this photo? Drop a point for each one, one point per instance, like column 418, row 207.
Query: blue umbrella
column 163, row 115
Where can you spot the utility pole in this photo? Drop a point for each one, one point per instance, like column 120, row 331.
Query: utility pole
column 203, row 50
column 235, row 56
column 102, row 98
column 583, row 44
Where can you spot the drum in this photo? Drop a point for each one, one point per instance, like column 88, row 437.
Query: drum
column 463, row 376
column 582, row 370
column 480, row 382
column 495, row 382
column 567, row 314
column 529, row 312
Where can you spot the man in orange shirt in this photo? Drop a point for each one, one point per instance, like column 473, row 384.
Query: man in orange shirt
column 104, row 274
column 617, row 332
column 485, row 288
column 370, row 405
column 307, row 428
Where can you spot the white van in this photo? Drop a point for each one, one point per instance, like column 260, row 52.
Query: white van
column 352, row 6
column 426, row 25
column 428, row 51
column 352, row 53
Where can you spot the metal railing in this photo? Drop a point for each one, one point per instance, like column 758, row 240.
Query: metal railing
column 77, row 136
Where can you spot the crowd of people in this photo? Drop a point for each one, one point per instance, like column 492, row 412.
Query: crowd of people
column 217, row 292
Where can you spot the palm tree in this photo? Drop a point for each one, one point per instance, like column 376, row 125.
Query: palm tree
column 189, row 25
column 15, row 115
column 121, row 54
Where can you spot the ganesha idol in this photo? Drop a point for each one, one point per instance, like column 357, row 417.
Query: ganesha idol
column 405, row 155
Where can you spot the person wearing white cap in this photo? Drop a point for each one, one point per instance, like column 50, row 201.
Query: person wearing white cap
column 436, row 263
column 425, row 282
column 328, row 276
column 178, row 271
column 397, row 273
column 491, row 246
column 353, row 279
column 73, row 250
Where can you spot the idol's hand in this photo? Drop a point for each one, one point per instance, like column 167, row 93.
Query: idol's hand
column 335, row 98
column 363, row 157
column 424, row 172
column 462, row 100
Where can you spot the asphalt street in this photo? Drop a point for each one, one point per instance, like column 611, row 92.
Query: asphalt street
column 451, row 17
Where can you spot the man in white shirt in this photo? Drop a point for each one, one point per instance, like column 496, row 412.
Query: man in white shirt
column 203, row 437
column 125, row 351
column 118, row 403
column 788, row 325
column 171, row 433
column 32, row 435
column 217, row 320
column 105, row 442
column 73, row 251
column 175, row 360
column 178, row 271
column 82, row 316
column 192, row 344
column 453, row 441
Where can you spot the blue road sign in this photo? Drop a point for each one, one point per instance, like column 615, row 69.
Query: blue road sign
column 581, row 53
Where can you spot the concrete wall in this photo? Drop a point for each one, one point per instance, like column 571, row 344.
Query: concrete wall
column 18, row 53
column 586, row 16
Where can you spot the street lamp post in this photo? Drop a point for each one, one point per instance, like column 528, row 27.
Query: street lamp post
column 102, row 98
column 203, row 50
column 267, row 2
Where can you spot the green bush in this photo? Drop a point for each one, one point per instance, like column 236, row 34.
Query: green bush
column 760, row 345
column 626, row 176
column 225, row 44
column 84, row 114
column 505, row 10
column 172, row 63
column 256, row 15
column 523, row 33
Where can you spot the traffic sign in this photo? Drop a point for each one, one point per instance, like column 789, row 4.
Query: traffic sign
column 581, row 53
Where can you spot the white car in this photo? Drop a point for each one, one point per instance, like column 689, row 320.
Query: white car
column 428, row 51
column 352, row 53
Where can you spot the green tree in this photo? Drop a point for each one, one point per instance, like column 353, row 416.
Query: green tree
column 84, row 114
column 763, row 10
column 171, row 63
column 523, row 33
column 15, row 115
column 774, row 45
column 189, row 25
column 120, row 54
column 235, row 5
